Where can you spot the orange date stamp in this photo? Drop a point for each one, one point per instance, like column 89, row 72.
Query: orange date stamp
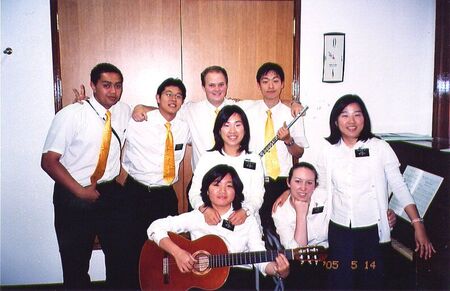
column 354, row 265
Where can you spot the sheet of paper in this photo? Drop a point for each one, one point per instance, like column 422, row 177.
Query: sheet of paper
column 422, row 185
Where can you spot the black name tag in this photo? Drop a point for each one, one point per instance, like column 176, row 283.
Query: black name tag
column 227, row 224
column 178, row 146
column 249, row 164
column 317, row 209
column 361, row 153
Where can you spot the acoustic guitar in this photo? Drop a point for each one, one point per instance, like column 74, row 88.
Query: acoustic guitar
column 159, row 271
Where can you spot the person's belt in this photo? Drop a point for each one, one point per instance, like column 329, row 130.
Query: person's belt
column 149, row 188
column 268, row 179
column 107, row 182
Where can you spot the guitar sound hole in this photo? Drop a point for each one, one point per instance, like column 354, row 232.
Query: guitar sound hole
column 201, row 267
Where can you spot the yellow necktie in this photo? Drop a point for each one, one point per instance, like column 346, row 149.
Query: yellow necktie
column 169, row 157
column 104, row 150
column 271, row 157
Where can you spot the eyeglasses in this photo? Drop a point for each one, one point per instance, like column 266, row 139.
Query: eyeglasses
column 170, row 94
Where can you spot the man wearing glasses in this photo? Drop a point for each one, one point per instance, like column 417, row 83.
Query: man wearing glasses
column 152, row 154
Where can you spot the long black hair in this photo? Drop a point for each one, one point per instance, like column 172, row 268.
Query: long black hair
column 341, row 103
column 216, row 174
column 222, row 117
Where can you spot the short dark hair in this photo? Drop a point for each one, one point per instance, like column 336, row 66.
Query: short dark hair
column 341, row 103
column 304, row 165
column 217, row 69
column 217, row 173
column 172, row 82
column 266, row 68
column 104, row 68
column 222, row 117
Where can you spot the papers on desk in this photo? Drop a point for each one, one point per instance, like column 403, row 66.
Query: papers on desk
column 404, row 136
column 422, row 185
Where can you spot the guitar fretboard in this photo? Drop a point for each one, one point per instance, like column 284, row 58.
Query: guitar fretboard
column 223, row 260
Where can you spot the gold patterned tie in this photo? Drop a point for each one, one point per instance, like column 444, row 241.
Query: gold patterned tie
column 104, row 150
column 271, row 157
column 169, row 157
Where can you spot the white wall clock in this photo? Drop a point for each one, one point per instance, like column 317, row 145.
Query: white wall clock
column 333, row 57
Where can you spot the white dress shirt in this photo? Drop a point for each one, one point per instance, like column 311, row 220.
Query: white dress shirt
column 76, row 133
column 257, row 116
column 145, row 146
column 252, row 179
column 358, row 186
column 316, row 221
column 244, row 238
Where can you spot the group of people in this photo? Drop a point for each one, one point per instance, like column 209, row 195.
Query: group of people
column 114, row 175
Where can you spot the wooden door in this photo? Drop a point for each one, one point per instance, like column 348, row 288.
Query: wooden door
column 240, row 36
column 142, row 38
column 151, row 40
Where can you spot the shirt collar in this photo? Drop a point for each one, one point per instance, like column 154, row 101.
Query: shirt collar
column 228, row 213
column 211, row 107
column 98, row 107
column 357, row 145
column 274, row 108
column 161, row 120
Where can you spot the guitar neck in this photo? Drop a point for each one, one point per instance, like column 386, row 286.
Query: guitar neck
column 222, row 260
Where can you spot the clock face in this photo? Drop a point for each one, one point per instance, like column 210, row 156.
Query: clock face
column 333, row 58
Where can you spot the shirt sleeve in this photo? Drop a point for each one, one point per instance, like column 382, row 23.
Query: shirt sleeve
column 255, row 242
column 181, row 223
column 254, row 195
column 298, row 133
column 245, row 104
column 194, row 192
column 61, row 132
column 394, row 177
column 183, row 110
column 283, row 223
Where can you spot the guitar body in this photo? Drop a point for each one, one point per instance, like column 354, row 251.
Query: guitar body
column 153, row 260
column 159, row 271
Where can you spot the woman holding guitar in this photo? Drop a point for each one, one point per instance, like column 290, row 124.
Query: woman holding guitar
column 221, row 191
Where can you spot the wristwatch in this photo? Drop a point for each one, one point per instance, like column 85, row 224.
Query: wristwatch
column 247, row 212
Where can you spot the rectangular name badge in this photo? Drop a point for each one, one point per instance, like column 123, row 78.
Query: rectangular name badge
column 227, row 224
column 178, row 146
column 361, row 152
column 248, row 164
column 317, row 209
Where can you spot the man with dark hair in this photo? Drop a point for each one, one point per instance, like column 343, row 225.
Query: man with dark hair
column 153, row 152
column 82, row 155
column 267, row 118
